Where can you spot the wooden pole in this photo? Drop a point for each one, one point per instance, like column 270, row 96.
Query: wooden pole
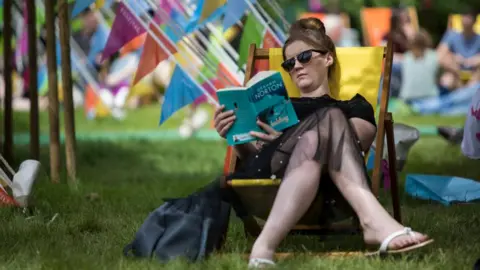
column 8, row 69
column 32, row 80
column 52, row 92
column 70, row 143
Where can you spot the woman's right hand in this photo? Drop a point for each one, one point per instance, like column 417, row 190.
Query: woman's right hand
column 223, row 120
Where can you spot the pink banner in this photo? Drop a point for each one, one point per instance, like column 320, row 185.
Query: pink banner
column 125, row 27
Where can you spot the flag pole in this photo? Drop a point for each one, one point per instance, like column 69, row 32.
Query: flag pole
column 33, row 81
column 209, row 96
column 8, row 72
column 70, row 140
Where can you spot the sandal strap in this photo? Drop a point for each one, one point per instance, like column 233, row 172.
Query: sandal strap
column 384, row 246
column 256, row 262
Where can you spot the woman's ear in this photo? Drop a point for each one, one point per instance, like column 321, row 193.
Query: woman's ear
column 330, row 60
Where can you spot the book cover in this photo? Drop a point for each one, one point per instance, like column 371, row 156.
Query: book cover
column 265, row 97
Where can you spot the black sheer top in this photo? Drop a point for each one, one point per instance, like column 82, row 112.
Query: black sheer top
column 258, row 164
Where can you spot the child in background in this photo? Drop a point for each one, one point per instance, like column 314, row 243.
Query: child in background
column 419, row 69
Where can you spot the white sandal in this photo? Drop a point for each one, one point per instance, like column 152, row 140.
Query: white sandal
column 383, row 250
column 260, row 263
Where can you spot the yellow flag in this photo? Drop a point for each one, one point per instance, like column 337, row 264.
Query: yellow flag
column 99, row 3
column 210, row 6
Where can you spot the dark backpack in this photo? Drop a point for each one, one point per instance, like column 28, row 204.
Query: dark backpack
column 190, row 227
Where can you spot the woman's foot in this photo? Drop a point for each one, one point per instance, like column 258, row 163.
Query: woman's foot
column 375, row 233
column 261, row 255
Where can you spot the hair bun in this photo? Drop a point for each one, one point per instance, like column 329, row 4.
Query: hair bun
column 308, row 24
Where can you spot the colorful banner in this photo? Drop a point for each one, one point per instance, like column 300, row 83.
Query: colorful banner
column 125, row 28
column 153, row 53
column 181, row 91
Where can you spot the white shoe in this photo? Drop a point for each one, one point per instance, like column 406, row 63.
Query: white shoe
column 23, row 181
column 118, row 114
column 260, row 263
column 185, row 131
column 199, row 118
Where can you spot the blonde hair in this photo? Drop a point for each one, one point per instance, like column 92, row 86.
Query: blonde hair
column 312, row 31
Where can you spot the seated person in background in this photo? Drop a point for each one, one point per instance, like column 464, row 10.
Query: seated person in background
column 321, row 155
column 401, row 31
column 460, row 52
column 419, row 69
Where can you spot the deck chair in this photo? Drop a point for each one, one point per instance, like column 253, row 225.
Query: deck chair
column 455, row 23
column 376, row 23
column 361, row 69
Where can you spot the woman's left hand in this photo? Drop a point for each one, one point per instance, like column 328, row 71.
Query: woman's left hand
column 271, row 135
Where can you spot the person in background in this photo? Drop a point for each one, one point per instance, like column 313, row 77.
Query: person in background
column 401, row 32
column 419, row 69
column 460, row 52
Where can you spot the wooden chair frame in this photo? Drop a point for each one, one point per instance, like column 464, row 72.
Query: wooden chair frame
column 384, row 128
column 450, row 21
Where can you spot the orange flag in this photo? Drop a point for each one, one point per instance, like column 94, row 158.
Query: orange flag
column 153, row 53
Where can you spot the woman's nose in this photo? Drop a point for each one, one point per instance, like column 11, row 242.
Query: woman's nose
column 297, row 65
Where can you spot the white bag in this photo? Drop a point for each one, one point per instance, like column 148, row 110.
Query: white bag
column 471, row 133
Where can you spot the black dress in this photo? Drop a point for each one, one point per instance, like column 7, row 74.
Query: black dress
column 266, row 163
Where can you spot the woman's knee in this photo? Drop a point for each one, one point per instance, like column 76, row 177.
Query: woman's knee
column 306, row 145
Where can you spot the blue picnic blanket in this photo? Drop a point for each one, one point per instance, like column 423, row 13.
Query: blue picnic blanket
column 454, row 103
column 444, row 189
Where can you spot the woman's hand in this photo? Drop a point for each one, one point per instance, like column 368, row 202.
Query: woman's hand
column 223, row 120
column 271, row 135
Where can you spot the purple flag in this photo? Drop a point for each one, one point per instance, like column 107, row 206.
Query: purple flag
column 126, row 27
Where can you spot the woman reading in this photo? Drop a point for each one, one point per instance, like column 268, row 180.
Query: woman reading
column 322, row 153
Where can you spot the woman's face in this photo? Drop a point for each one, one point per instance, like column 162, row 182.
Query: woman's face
column 310, row 75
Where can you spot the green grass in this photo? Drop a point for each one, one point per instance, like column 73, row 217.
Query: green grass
column 148, row 117
column 132, row 177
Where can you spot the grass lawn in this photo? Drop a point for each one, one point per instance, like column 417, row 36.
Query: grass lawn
column 132, row 177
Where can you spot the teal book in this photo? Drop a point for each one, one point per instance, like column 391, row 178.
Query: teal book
column 265, row 97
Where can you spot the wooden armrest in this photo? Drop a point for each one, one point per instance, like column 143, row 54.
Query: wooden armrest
column 253, row 182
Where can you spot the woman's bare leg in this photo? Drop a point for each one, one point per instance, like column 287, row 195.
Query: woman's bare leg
column 351, row 180
column 295, row 195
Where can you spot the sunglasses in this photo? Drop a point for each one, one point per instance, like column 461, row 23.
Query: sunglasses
column 303, row 58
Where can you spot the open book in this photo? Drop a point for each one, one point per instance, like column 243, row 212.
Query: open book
column 265, row 97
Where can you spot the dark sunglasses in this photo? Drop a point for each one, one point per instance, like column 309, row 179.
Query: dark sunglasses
column 303, row 57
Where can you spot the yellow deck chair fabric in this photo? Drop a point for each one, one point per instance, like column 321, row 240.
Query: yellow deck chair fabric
column 456, row 23
column 360, row 70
